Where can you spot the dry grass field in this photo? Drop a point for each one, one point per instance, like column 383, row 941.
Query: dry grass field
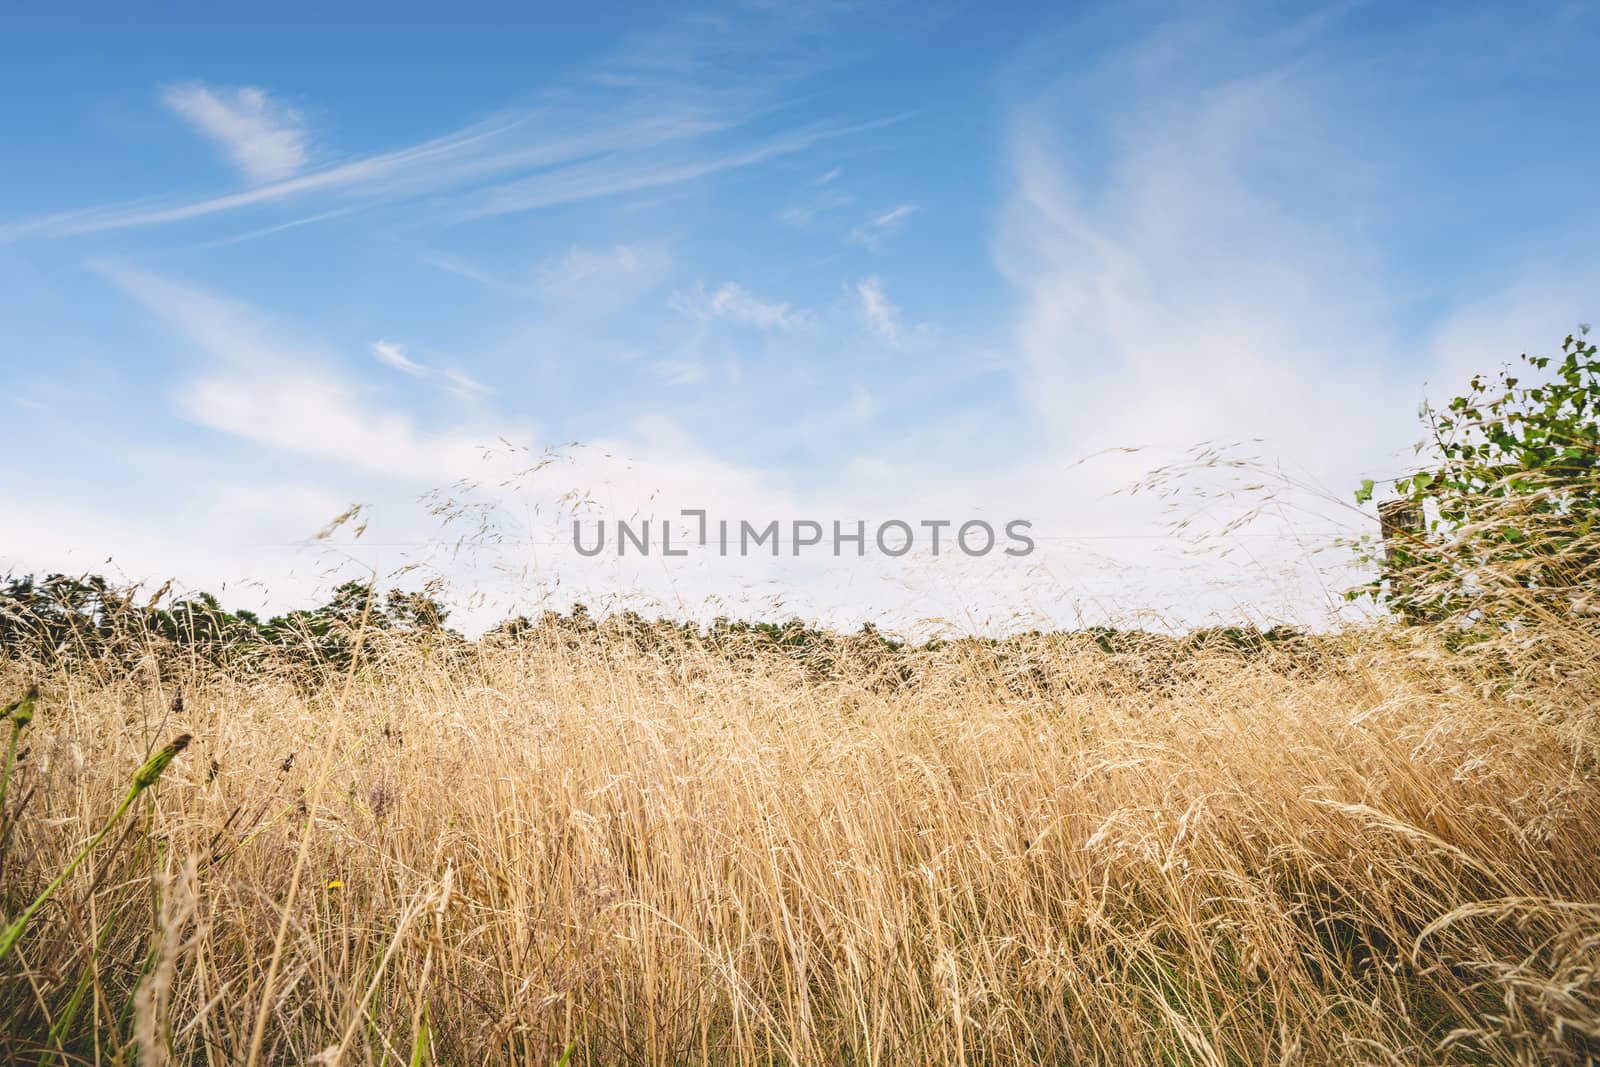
column 571, row 846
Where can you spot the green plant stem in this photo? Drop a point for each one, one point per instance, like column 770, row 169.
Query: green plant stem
column 11, row 755
column 12, row 933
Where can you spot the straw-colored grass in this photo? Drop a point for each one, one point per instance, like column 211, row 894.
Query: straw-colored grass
column 1363, row 851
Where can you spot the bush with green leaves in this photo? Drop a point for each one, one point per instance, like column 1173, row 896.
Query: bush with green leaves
column 1509, row 497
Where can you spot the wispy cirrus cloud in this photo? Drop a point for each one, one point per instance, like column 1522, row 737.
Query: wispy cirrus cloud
column 872, row 233
column 392, row 355
column 732, row 302
column 582, row 274
column 680, row 371
column 880, row 314
column 264, row 139
column 822, row 206
column 630, row 170
column 461, row 384
column 452, row 380
column 567, row 158
column 582, row 281
column 388, row 176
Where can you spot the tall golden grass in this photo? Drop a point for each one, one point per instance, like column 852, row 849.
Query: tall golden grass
column 1359, row 848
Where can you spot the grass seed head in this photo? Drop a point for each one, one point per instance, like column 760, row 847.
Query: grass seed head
column 21, row 713
column 150, row 773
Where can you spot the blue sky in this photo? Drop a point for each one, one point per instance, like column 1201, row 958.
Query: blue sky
column 812, row 260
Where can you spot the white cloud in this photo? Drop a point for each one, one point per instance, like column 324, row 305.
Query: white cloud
column 821, row 208
column 1206, row 287
column 872, row 232
column 262, row 387
column 1208, row 279
column 680, row 371
column 392, row 355
column 301, row 410
column 264, row 139
column 455, row 382
column 603, row 275
column 732, row 302
column 880, row 314
column 893, row 217
column 462, row 385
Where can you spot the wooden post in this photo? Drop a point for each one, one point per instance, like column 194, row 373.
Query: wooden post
column 1402, row 525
